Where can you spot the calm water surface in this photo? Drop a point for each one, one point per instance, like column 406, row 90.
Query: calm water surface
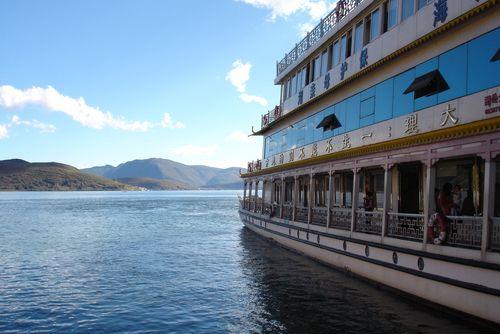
column 174, row 262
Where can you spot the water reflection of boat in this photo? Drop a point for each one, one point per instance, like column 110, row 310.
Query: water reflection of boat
column 385, row 106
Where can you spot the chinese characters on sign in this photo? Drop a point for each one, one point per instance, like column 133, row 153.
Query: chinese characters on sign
column 491, row 102
column 447, row 115
column 292, row 156
column 329, row 146
column 363, row 58
column 314, row 150
column 302, row 154
column 343, row 69
column 346, row 142
column 282, row 158
column 312, row 90
column 301, row 97
column 327, row 81
column 440, row 11
column 411, row 124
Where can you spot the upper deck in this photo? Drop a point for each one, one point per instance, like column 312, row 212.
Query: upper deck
column 362, row 69
column 355, row 38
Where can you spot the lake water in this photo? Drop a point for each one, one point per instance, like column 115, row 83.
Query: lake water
column 174, row 262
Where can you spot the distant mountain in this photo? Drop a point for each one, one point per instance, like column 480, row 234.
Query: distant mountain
column 155, row 184
column 195, row 176
column 18, row 174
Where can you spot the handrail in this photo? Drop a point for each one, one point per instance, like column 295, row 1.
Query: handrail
column 412, row 215
column 340, row 11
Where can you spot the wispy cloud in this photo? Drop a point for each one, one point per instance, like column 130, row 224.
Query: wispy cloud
column 4, row 133
column 238, row 76
column 193, row 150
column 253, row 98
column 284, row 8
column 241, row 137
column 43, row 127
column 167, row 122
column 76, row 108
column 315, row 9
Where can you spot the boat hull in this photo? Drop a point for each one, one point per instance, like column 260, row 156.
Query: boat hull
column 467, row 286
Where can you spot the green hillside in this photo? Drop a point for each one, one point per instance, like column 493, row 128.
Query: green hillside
column 21, row 175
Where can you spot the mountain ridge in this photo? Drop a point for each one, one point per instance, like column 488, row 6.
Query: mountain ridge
column 194, row 176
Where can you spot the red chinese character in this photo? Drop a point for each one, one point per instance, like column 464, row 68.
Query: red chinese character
column 487, row 100
column 494, row 98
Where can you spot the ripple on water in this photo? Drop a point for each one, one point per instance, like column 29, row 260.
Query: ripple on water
column 176, row 262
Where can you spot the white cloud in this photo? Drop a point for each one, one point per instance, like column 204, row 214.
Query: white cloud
column 304, row 28
column 77, row 109
column 167, row 122
column 192, row 150
column 240, row 136
column 253, row 98
column 238, row 76
column 4, row 133
column 284, row 8
column 43, row 127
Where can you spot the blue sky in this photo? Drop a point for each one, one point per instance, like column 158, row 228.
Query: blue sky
column 95, row 82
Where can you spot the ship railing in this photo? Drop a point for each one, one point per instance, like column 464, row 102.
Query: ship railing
column 405, row 226
column 302, row 214
column 495, row 234
column 319, row 216
column 464, row 231
column 276, row 210
column 258, row 205
column 369, row 222
column 343, row 8
column 341, row 218
column 288, row 211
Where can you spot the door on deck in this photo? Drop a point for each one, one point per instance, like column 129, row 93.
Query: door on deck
column 410, row 185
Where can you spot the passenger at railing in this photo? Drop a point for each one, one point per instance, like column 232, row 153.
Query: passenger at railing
column 457, row 200
column 368, row 204
column 445, row 200
column 438, row 222
column 468, row 208
column 369, row 200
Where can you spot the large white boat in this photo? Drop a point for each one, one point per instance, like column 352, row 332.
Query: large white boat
column 382, row 157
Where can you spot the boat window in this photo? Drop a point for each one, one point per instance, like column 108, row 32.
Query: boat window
column 348, row 50
column 466, row 179
column 430, row 82
column 343, row 46
column 352, row 113
column 368, row 27
column 321, row 189
column 375, row 24
column 422, row 3
column 410, row 188
column 383, row 100
column 392, row 18
column 403, row 103
column 385, row 17
column 336, row 53
column 497, row 190
column 407, row 8
column 317, row 68
column 324, row 62
column 358, row 37
column 288, row 191
column 481, row 72
column 451, row 66
column 367, row 112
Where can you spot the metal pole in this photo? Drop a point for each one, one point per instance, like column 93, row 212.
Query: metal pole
column 329, row 204
column 429, row 200
column 355, row 197
column 488, row 203
column 387, row 199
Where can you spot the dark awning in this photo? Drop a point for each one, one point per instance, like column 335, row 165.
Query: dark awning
column 427, row 85
column 330, row 122
column 496, row 56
